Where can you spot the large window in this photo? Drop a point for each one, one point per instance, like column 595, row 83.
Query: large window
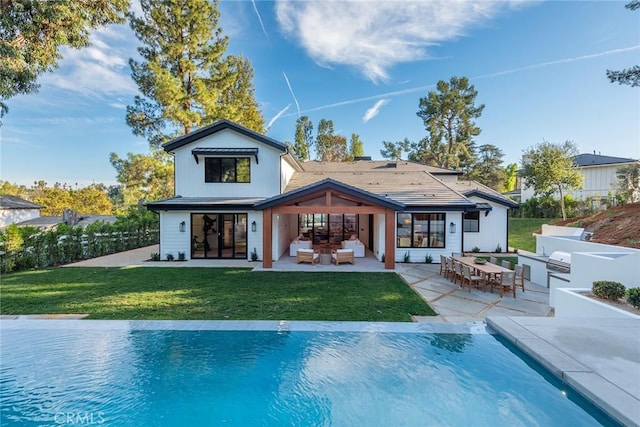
column 226, row 169
column 421, row 230
column 471, row 222
column 331, row 229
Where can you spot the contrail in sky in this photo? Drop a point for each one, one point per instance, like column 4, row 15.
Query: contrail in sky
column 292, row 94
column 498, row 73
column 264, row 30
column 277, row 116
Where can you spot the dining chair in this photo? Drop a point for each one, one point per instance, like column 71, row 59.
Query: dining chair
column 506, row 264
column 519, row 280
column 493, row 260
column 444, row 266
column 506, row 282
column 470, row 279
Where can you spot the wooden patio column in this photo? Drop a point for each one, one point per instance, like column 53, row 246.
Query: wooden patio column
column 390, row 239
column 267, row 227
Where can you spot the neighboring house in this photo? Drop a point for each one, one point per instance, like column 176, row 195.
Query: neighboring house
column 48, row 222
column 599, row 177
column 15, row 209
column 239, row 192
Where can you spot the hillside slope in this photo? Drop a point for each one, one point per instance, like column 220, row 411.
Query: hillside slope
column 619, row 225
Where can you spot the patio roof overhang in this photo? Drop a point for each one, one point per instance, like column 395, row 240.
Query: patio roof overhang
column 329, row 197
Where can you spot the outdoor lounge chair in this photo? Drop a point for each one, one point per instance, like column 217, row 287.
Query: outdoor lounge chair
column 341, row 256
column 307, row 255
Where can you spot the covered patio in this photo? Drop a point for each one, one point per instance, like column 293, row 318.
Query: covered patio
column 330, row 197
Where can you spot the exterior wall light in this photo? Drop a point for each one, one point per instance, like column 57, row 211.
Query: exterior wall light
column 253, row 226
column 183, row 227
column 452, row 228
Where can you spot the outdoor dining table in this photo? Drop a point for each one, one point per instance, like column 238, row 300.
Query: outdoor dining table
column 486, row 269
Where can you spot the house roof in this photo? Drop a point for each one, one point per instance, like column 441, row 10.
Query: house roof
column 409, row 184
column 217, row 127
column 51, row 221
column 218, row 203
column 376, row 165
column 15, row 202
column 473, row 188
column 331, row 184
column 587, row 159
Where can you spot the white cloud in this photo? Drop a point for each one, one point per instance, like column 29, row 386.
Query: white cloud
column 98, row 70
column 373, row 111
column 374, row 36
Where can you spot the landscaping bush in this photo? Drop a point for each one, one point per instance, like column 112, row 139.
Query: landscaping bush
column 608, row 290
column 633, row 297
column 475, row 249
column 428, row 259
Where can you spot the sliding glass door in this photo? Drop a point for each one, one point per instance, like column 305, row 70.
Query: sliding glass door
column 216, row 235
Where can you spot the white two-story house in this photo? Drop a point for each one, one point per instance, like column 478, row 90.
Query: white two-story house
column 238, row 192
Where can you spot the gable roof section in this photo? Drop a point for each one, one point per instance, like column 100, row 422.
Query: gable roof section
column 15, row 202
column 414, row 187
column 217, row 127
column 586, row 159
column 475, row 189
column 329, row 184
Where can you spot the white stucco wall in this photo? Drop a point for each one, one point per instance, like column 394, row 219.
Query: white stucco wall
column 282, row 229
column 570, row 303
column 12, row 216
column 265, row 180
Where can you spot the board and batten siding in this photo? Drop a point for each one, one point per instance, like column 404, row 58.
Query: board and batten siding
column 189, row 175
column 172, row 240
column 598, row 181
column 493, row 229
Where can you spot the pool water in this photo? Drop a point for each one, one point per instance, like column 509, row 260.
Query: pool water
column 147, row 377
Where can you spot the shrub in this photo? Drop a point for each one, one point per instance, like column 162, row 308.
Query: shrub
column 155, row 256
column 428, row 259
column 254, row 255
column 407, row 257
column 182, row 256
column 170, row 257
column 382, row 258
column 475, row 249
column 498, row 249
column 608, row 290
column 633, row 297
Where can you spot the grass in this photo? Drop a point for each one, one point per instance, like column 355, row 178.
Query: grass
column 208, row 293
column 521, row 229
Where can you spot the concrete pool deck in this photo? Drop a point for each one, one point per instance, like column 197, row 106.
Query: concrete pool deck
column 600, row 358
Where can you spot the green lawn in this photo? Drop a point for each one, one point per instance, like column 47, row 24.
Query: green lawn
column 521, row 229
column 210, row 293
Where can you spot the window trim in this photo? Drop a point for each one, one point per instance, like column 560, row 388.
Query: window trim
column 427, row 232
column 468, row 220
column 220, row 161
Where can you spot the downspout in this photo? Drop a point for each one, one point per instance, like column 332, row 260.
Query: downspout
column 462, row 232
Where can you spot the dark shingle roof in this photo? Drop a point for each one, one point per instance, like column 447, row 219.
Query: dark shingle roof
column 178, row 203
column 14, row 202
column 586, row 159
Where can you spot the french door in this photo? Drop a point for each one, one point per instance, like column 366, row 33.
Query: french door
column 219, row 235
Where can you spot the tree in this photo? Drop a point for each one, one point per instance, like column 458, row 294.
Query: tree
column 488, row 169
column 9, row 189
column 549, row 168
column 393, row 150
column 303, row 138
column 629, row 183
column 629, row 76
column 356, row 146
column 324, row 140
column 144, row 177
column 186, row 80
column 510, row 177
column 448, row 115
column 33, row 31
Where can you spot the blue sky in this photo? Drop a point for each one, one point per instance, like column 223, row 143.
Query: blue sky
column 539, row 69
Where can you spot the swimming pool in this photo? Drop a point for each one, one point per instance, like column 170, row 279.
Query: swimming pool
column 266, row 373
